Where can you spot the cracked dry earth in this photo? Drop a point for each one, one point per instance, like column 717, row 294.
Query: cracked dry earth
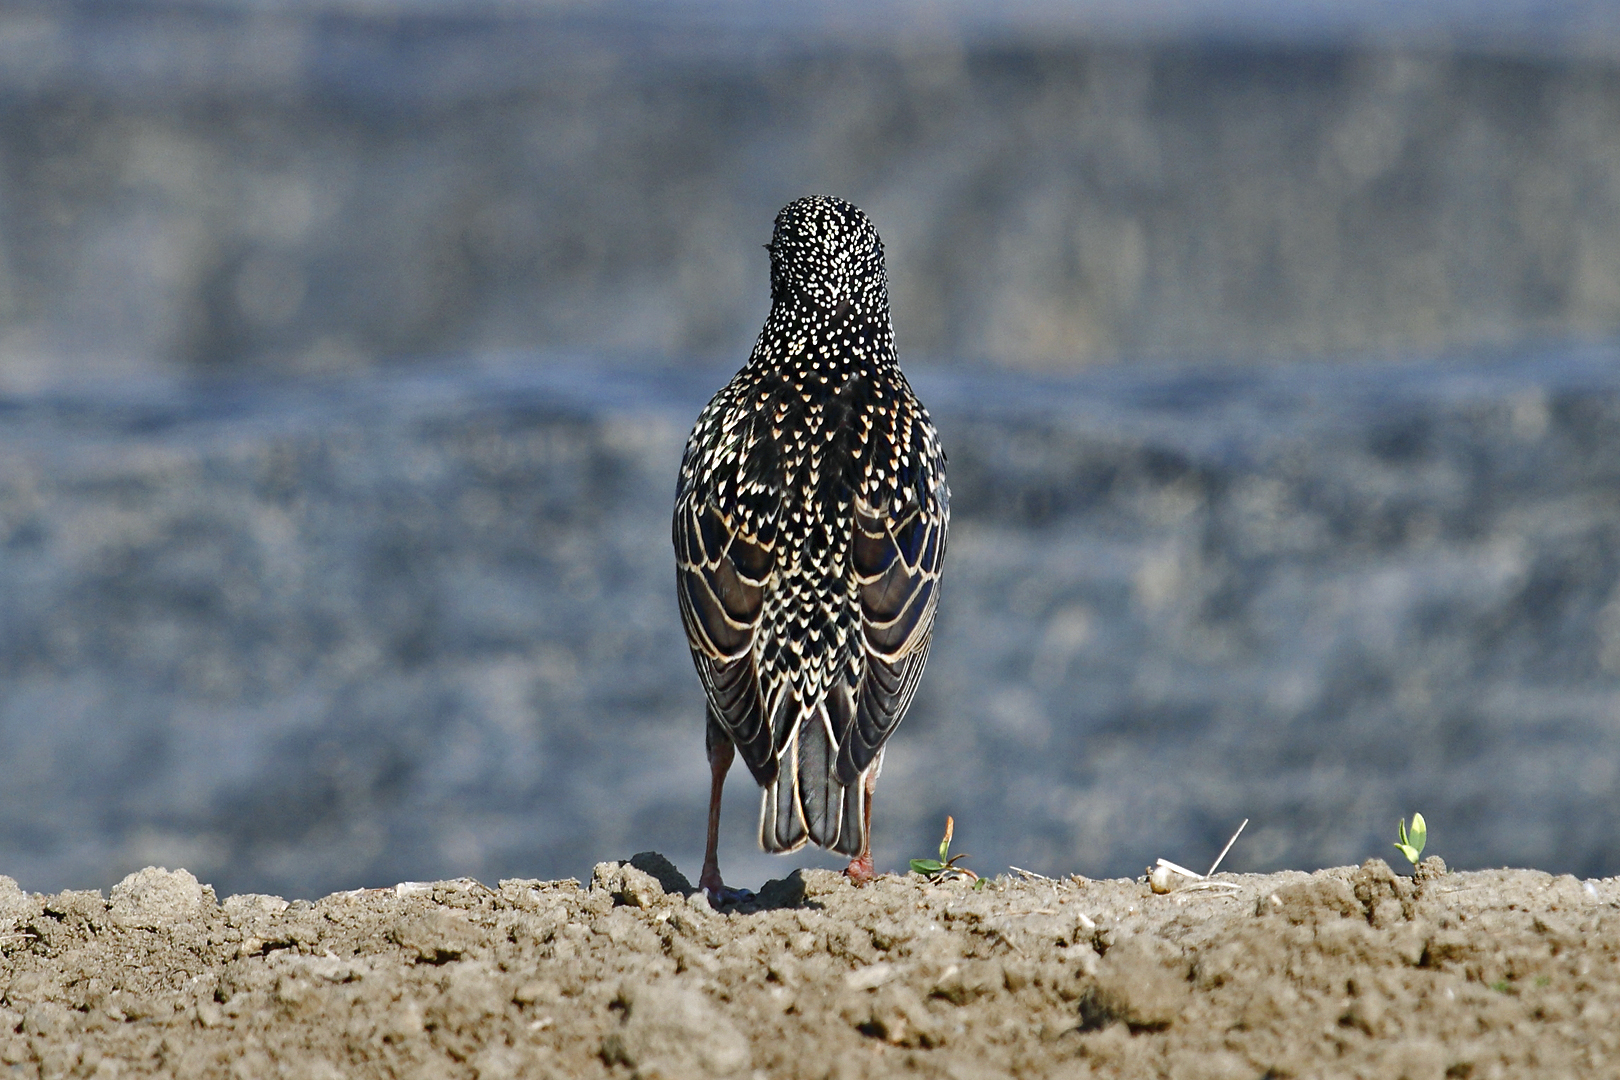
column 1350, row 972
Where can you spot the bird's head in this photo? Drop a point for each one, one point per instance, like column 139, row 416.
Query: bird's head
column 826, row 252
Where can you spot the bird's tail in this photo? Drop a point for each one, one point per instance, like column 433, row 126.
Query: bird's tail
column 806, row 801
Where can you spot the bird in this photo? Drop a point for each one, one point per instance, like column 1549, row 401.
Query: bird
column 810, row 525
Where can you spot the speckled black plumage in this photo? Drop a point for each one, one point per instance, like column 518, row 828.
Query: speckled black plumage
column 809, row 532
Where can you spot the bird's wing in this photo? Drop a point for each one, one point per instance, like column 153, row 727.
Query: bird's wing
column 721, row 577
column 896, row 559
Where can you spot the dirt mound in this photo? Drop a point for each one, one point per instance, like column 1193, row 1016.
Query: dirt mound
column 1346, row 972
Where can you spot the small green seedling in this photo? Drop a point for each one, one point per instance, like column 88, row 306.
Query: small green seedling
column 944, row 868
column 1411, row 843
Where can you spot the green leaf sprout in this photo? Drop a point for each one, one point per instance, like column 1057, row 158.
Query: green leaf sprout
column 1411, row 842
column 944, row 868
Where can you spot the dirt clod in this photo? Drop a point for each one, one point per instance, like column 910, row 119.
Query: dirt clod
column 154, row 897
column 672, row 1031
column 1135, row 986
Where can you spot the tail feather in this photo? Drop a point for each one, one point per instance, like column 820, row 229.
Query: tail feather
column 781, row 828
column 821, row 796
column 853, row 833
column 805, row 802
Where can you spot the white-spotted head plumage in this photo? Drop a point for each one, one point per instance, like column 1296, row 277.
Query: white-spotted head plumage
column 825, row 252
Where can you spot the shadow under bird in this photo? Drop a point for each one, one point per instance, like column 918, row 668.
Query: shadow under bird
column 810, row 522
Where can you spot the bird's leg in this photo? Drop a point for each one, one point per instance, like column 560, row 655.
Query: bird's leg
column 720, row 754
column 859, row 869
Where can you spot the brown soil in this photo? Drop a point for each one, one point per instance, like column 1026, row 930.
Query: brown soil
column 1351, row 972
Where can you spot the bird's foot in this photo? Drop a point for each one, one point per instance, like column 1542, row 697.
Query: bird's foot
column 724, row 895
column 718, row 892
column 859, row 871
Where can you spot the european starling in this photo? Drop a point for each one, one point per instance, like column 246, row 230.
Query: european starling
column 809, row 531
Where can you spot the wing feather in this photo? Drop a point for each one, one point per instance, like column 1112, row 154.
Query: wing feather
column 722, row 576
column 897, row 560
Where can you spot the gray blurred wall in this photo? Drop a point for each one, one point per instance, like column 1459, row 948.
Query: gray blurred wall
column 422, row 624
column 224, row 187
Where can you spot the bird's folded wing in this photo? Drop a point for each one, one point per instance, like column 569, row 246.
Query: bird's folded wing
column 721, row 576
column 897, row 559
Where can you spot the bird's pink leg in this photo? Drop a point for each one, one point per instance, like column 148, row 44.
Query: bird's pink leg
column 720, row 755
column 860, row 869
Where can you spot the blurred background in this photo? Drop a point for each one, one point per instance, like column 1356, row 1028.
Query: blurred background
column 348, row 347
